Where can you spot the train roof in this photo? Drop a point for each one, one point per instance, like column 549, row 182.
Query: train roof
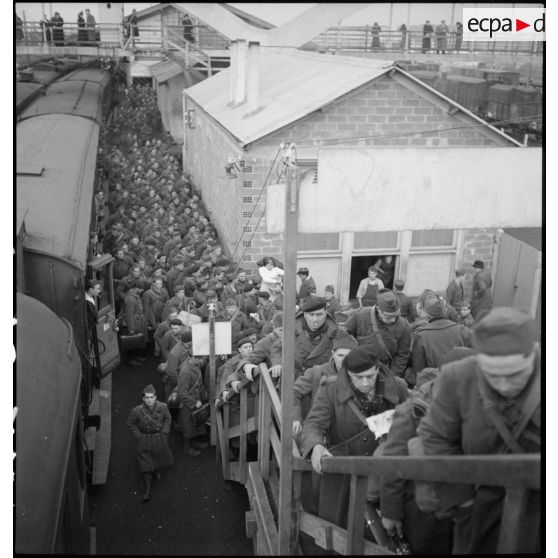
column 77, row 98
column 25, row 93
column 87, row 74
column 56, row 159
column 48, row 376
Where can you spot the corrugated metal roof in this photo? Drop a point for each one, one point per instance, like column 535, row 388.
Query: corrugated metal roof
column 58, row 201
column 162, row 71
column 292, row 85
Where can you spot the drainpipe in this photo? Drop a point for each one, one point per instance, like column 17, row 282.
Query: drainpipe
column 253, row 83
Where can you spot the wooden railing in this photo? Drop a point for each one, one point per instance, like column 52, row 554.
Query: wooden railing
column 518, row 474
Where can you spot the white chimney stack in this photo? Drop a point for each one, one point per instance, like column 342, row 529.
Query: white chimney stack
column 240, row 77
column 253, row 86
column 233, row 65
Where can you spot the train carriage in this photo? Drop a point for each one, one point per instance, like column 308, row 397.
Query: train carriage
column 51, row 514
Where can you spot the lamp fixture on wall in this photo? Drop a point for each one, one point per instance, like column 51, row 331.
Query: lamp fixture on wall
column 233, row 167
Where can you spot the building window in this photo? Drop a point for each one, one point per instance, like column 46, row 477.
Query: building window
column 428, row 239
column 247, row 199
column 247, row 258
column 247, row 229
column 318, row 241
column 246, row 243
column 248, row 183
column 364, row 240
column 247, row 168
column 247, row 214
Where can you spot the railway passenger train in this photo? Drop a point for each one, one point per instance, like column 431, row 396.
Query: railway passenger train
column 57, row 140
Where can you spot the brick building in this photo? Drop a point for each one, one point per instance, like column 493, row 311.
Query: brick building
column 245, row 113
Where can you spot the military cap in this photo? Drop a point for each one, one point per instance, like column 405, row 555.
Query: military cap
column 250, row 331
column 330, row 288
column 464, row 304
column 178, row 260
column 344, row 340
column 175, row 321
column 360, row 359
column 178, row 288
column 186, row 336
column 230, row 302
column 250, row 308
column 303, row 271
column 249, row 287
column 313, row 303
column 478, row 264
column 149, row 389
column 263, row 294
column 399, row 284
column 211, row 293
column 387, row 301
column 505, row 331
column 434, row 307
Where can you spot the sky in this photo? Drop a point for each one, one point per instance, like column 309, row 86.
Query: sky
column 279, row 12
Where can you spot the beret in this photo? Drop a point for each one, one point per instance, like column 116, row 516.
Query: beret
column 313, row 303
column 387, row 301
column 434, row 307
column 250, row 331
column 230, row 302
column 248, row 288
column 330, row 288
column 344, row 340
column 264, row 294
column 360, row 359
column 178, row 288
column 277, row 319
column 178, row 260
column 478, row 264
column 505, row 331
column 399, row 283
column 243, row 341
column 149, row 389
column 186, row 336
column 176, row 321
column 304, row 270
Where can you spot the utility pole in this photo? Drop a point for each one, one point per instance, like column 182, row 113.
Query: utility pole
column 211, row 308
column 286, row 512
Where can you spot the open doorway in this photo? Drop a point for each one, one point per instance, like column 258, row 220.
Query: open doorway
column 359, row 270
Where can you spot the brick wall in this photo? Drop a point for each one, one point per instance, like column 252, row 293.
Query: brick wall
column 383, row 108
column 478, row 244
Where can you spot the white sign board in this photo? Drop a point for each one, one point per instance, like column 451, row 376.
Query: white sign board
column 200, row 338
column 367, row 189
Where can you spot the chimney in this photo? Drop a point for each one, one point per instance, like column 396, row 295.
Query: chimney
column 253, row 84
column 233, row 66
column 240, row 74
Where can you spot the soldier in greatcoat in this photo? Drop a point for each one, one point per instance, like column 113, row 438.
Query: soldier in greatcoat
column 488, row 403
column 362, row 388
column 482, row 283
column 149, row 424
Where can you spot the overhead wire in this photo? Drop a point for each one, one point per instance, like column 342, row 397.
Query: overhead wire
column 420, row 132
column 245, row 226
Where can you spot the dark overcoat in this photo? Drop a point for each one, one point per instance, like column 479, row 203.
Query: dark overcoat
column 306, row 386
column 438, row 337
column 150, row 428
column 481, row 300
column 455, row 294
column 457, row 424
column 397, row 337
column 308, row 351
column 190, row 390
column 332, row 423
column 153, row 303
column 307, row 288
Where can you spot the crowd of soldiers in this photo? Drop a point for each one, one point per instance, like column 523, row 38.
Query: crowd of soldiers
column 427, row 366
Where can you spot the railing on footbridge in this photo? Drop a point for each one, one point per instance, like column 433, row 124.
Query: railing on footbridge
column 518, row 474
